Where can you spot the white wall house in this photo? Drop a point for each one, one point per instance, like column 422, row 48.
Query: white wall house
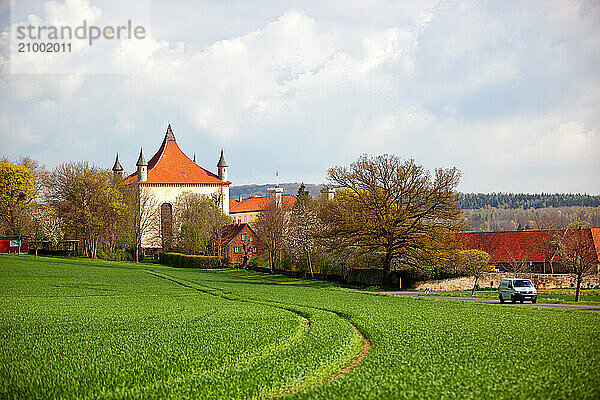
column 166, row 176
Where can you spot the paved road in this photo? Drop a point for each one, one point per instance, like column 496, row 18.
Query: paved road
column 495, row 301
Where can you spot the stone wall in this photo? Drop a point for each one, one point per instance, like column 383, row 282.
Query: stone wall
column 492, row 279
column 366, row 277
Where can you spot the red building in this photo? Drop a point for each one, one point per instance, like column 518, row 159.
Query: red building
column 244, row 210
column 240, row 244
column 12, row 245
column 530, row 247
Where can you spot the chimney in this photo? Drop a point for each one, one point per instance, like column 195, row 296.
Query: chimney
column 275, row 193
column 327, row 192
column 240, row 198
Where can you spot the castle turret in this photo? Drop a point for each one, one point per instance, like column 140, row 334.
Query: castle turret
column 118, row 168
column 142, row 167
column 222, row 167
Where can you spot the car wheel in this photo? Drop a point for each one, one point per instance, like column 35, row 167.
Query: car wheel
column 501, row 299
column 534, row 301
column 513, row 299
column 521, row 301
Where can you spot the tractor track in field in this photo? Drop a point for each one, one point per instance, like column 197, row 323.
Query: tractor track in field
column 220, row 293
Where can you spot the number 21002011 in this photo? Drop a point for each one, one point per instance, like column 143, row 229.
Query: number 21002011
column 44, row 47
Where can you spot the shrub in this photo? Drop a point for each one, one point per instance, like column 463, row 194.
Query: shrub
column 114, row 255
column 258, row 262
column 189, row 261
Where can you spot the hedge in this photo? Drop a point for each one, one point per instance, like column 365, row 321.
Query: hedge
column 186, row 261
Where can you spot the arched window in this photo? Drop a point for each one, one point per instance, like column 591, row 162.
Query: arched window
column 166, row 225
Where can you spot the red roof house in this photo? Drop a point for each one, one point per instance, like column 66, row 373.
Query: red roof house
column 243, row 210
column 240, row 244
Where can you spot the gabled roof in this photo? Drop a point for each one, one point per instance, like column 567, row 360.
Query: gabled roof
column 257, row 203
column 230, row 232
column 171, row 165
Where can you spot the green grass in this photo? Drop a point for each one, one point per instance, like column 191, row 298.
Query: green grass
column 75, row 328
column 552, row 296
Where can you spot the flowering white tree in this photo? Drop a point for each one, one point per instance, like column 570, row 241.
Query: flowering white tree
column 303, row 228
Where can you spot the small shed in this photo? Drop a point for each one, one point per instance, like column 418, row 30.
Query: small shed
column 14, row 245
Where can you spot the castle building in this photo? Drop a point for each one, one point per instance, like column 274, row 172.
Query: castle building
column 165, row 177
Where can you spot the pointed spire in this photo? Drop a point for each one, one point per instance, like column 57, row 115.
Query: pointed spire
column 117, row 167
column 222, row 162
column 141, row 159
column 169, row 135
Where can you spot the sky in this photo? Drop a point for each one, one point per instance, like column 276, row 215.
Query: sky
column 507, row 91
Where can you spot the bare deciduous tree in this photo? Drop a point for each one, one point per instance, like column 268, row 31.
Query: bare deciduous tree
column 393, row 207
column 578, row 253
column 143, row 216
column 271, row 228
column 475, row 263
column 518, row 260
column 89, row 202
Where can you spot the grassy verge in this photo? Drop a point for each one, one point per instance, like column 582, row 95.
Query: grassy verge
column 553, row 296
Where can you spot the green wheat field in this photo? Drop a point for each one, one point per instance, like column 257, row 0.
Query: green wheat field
column 72, row 328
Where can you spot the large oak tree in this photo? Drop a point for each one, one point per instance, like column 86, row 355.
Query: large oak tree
column 395, row 208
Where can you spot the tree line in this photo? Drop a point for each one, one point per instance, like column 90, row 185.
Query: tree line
column 493, row 219
column 387, row 213
column 526, row 200
column 393, row 214
column 92, row 206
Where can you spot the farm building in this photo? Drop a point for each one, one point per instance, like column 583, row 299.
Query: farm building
column 240, row 243
column 533, row 249
column 14, row 245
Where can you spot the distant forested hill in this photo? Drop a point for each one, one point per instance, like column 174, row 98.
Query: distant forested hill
column 526, row 200
column 467, row 200
column 261, row 190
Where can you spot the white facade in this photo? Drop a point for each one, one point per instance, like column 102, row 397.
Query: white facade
column 168, row 193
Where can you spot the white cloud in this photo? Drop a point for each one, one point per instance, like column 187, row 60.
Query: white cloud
column 507, row 92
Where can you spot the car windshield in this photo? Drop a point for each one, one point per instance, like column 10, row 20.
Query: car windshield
column 522, row 283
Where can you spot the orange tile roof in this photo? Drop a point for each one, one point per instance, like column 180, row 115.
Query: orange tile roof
column 511, row 246
column 171, row 165
column 257, row 203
